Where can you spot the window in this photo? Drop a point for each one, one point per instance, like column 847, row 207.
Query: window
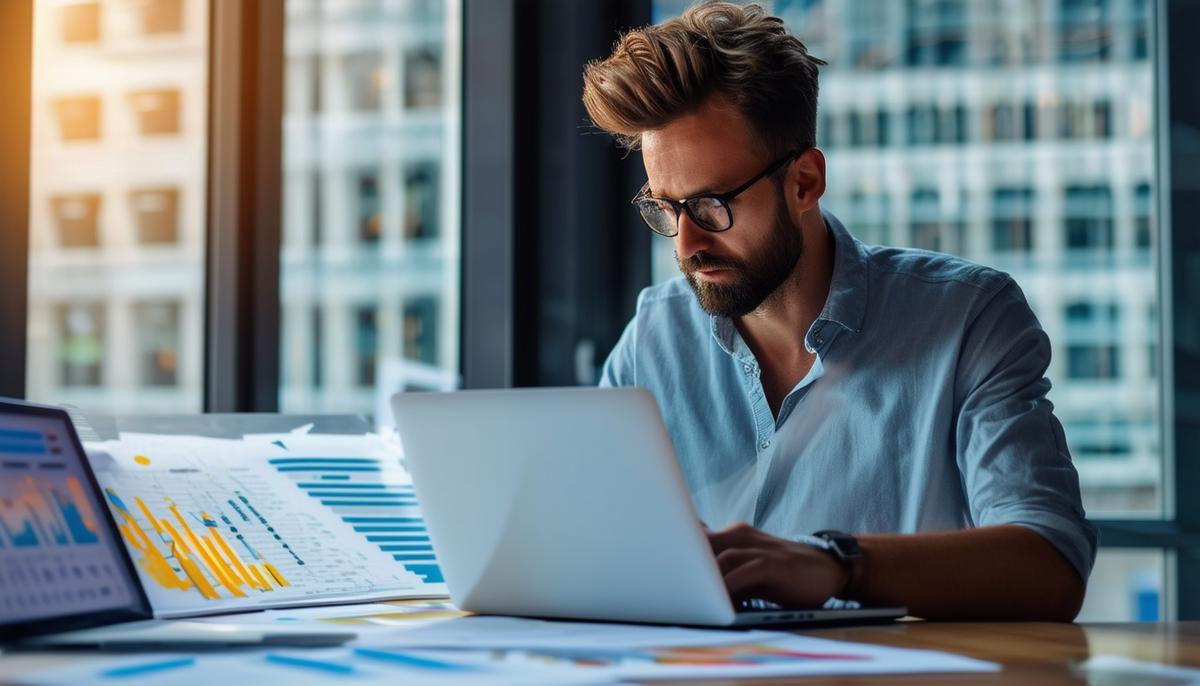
column 77, row 217
column 420, row 330
column 1142, row 213
column 936, row 33
column 1092, row 362
column 117, row 248
column 366, row 347
column 80, row 22
column 156, row 214
column 370, row 209
column 421, row 196
column 1084, row 31
column 159, row 341
column 1012, row 220
column 422, row 80
column 157, row 111
column 365, row 80
column 1088, row 219
column 80, row 344
column 370, row 258
column 156, row 17
column 1047, row 213
column 78, row 118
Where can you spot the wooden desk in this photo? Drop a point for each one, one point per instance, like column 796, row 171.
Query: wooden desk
column 1032, row 654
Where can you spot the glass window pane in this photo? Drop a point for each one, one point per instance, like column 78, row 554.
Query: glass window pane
column 116, row 283
column 371, row 195
column 1126, row 586
column 1001, row 153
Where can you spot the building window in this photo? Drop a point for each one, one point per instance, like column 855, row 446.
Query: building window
column 316, row 356
column 366, row 347
column 868, row 34
column 937, row 33
column 158, row 16
column 81, row 344
column 1085, row 34
column 1012, row 220
column 158, row 340
column 156, row 214
column 1088, row 218
column 1143, row 206
column 365, row 81
column 78, row 219
column 421, row 201
column 931, row 228
column 1092, row 362
column 156, row 111
column 422, row 80
column 922, row 125
column 78, row 118
column 420, row 330
column 370, row 208
column 80, row 22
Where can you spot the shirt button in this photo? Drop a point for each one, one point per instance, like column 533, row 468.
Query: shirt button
column 764, row 445
column 819, row 340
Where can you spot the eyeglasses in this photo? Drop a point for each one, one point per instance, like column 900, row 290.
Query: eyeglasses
column 710, row 211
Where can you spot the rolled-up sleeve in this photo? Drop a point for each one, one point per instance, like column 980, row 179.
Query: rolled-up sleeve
column 1010, row 447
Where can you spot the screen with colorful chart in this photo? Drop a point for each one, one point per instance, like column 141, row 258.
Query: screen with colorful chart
column 56, row 557
column 217, row 524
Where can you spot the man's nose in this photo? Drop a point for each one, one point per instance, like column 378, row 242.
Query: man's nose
column 691, row 239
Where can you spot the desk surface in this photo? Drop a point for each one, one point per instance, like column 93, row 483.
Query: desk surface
column 1032, row 654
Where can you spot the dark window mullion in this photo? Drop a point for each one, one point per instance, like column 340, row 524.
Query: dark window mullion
column 16, row 54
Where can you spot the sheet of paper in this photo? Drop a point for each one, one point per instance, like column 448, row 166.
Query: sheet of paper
column 216, row 525
column 489, row 632
column 376, row 617
column 792, row 656
column 366, row 667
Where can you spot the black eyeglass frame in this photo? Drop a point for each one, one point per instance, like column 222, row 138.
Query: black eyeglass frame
column 723, row 198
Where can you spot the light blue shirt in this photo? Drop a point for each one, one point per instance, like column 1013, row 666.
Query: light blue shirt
column 925, row 410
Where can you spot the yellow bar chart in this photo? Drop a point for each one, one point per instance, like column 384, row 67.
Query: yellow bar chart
column 183, row 555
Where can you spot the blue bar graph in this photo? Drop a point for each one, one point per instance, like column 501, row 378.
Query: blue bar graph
column 356, row 490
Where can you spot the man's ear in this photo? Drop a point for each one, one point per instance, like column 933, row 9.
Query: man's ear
column 805, row 181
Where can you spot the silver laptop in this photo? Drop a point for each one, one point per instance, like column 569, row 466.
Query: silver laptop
column 66, row 578
column 569, row 503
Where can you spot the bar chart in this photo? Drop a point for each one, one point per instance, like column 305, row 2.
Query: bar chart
column 187, row 551
column 52, row 557
column 375, row 497
column 212, row 526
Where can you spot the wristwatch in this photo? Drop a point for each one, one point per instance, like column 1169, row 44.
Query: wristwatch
column 845, row 548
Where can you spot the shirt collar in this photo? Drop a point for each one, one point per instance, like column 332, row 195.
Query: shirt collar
column 847, row 302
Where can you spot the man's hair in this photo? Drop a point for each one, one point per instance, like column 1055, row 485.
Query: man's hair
column 738, row 53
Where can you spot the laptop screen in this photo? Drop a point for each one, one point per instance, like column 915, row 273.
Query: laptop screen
column 59, row 556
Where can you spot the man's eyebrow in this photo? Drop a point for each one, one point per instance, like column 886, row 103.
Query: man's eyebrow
column 701, row 191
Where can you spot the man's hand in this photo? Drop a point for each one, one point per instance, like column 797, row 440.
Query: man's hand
column 759, row 565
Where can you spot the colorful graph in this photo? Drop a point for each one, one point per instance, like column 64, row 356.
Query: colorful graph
column 180, row 554
column 375, row 501
column 43, row 511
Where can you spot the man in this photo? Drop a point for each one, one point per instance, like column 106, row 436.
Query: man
column 809, row 382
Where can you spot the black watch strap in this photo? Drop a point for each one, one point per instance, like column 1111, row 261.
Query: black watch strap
column 845, row 548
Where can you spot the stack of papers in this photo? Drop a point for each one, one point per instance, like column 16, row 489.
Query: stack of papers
column 216, row 525
column 495, row 650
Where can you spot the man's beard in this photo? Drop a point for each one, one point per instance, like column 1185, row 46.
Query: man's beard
column 757, row 278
